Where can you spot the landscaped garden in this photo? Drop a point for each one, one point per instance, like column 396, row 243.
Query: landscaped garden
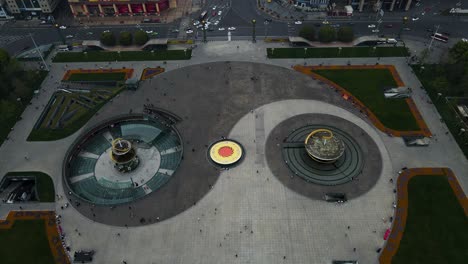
column 436, row 227
column 25, row 242
column 17, row 88
column 367, row 85
column 67, row 112
column 89, row 77
column 342, row 52
column 97, row 56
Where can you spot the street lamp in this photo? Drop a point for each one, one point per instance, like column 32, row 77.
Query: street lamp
column 253, row 31
column 405, row 21
column 204, row 30
column 60, row 34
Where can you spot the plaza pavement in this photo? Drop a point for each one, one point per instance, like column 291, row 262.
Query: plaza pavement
column 284, row 223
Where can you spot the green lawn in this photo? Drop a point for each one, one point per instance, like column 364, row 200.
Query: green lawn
column 44, row 184
column 345, row 52
column 41, row 132
column 95, row 56
column 436, row 228
column 104, row 76
column 426, row 77
column 367, row 85
column 25, row 242
column 11, row 109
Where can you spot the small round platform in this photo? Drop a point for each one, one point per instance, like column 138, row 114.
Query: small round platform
column 225, row 152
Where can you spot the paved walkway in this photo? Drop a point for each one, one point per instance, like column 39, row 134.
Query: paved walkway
column 240, row 192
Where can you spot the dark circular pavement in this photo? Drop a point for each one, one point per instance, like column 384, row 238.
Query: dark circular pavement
column 364, row 179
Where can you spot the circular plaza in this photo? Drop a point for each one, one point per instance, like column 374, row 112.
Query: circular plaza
column 122, row 160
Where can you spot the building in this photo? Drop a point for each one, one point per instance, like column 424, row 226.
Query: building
column 116, row 8
column 31, row 7
column 387, row 5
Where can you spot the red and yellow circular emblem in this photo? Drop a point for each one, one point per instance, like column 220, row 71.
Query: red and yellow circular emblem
column 226, row 152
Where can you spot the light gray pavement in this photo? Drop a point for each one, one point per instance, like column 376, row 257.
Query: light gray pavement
column 286, row 228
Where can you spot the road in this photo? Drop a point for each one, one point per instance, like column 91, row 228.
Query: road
column 239, row 14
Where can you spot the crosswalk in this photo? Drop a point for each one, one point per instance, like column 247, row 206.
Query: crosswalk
column 6, row 40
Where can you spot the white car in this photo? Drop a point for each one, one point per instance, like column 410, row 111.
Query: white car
column 63, row 27
column 221, row 29
column 415, row 18
column 196, row 23
column 214, row 7
column 149, row 31
column 231, row 28
column 325, row 22
column 69, row 36
column 298, row 22
column 106, row 31
column 375, row 31
column 189, row 31
column 220, row 13
column 371, row 26
column 216, row 23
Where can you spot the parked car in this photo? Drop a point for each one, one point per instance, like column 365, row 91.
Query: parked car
column 415, row 18
column 375, row 31
column 231, row 28
column 371, row 26
column 175, row 31
column 63, row 27
column 149, row 31
column 189, row 31
column 69, row 36
column 220, row 13
column 298, row 22
column 221, row 29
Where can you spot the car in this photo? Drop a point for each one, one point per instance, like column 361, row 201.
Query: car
column 335, row 25
column 89, row 33
column 231, row 28
column 325, row 22
column 389, row 25
column 154, row 34
column 406, row 29
column 464, row 40
column 106, row 31
column 221, row 29
column 214, row 7
column 63, row 27
column 210, row 29
column 298, row 22
column 213, row 13
column 375, row 31
column 43, row 22
column 69, row 36
column 269, row 20
column 149, row 31
column 220, row 13
column 371, row 26
column 216, row 23
column 175, row 30
column 189, row 31
column 415, row 18
column 196, row 23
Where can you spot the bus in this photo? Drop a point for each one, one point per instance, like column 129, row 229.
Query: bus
column 439, row 37
column 203, row 15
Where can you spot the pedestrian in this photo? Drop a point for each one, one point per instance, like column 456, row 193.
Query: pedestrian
column 391, row 180
column 118, row 234
column 354, row 249
column 349, row 227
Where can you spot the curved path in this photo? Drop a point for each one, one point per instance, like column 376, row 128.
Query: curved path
column 401, row 212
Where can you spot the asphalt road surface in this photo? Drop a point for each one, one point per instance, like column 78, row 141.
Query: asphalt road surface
column 239, row 14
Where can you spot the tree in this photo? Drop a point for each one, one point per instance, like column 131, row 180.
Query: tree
column 307, row 32
column 108, row 38
column 125, row 38
column 345, row 34
column 4, row 59
column 441, row 85
column 327, row 34
column 141, row 37
column 459, row 52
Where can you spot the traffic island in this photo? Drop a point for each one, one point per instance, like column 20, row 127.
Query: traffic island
column 336, row 52
column 431, row 216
